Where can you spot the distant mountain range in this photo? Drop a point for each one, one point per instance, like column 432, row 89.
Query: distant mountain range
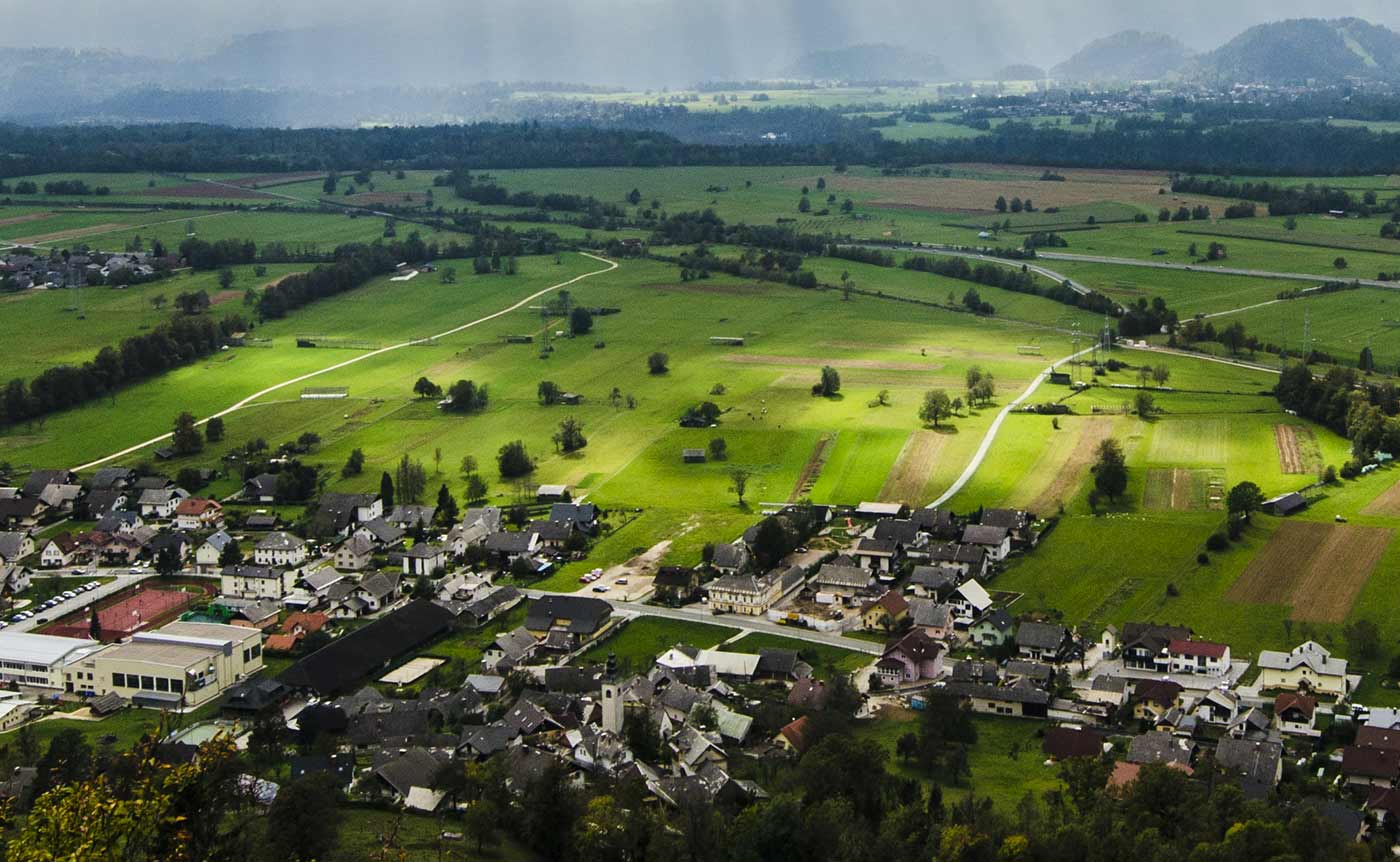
column 1306, row 49
column 876, row 62
column 1131, row 55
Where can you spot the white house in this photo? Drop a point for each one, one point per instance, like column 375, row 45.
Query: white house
column 280, row 549
column 255, row 582
column 160, row 503
column 969, row 600
column 996, row 540
column 1199, row 657
column 59, row 551
column 15, row 546
column 1309, row 666
column 195, row 514
column 208, row 555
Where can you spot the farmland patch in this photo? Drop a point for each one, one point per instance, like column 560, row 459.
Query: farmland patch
column 1298, row 453
column 1387, row 504
column 1176, row 489
column 75, row 233
column 913, row 468
column 1317, row 569
column 1069, row 472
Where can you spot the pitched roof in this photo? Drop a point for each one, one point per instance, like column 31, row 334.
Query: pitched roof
column 978, row 534
column 797, row 734
column 891, row 602
column 916, row 646
column 1309, row 654
column 730, row 557
column 584, row 614
column 1063, row 743
column 1205, row 649
column 1254, row 760
column 1161, row 691
column 975, row 594
column 1377, row 737
column 1041, row 635
column 850, row 577
column 1292, row 700
column 346, row 660
column 934, row 577
column 1371, row 762
column 1158, row 747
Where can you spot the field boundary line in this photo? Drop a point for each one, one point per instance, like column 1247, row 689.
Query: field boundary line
column 611, row 265
column 991, row 434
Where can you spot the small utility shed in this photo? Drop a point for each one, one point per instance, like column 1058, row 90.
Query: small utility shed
column 1285, row 504
column 693, row 456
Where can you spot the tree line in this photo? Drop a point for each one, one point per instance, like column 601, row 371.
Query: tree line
column 1282, row 200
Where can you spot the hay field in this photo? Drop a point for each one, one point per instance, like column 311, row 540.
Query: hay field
column 1316, row 568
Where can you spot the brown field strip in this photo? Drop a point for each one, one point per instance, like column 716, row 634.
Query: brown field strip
column 1387, row 504
column 1298, row 453
column 6, row 222
column 913, row 467
column 813, row 362
column 75, row 233
column 813, row 468
column 1318, row 569
column 1072, row 470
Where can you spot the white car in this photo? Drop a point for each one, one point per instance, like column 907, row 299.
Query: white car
column 68, row 594
column 135, row 570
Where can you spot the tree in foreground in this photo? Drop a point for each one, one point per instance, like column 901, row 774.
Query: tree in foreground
column 937, row 406
column 306, row 818
column 514, row 461
column 569, row 437
column 739, row 483
column 1110, row 470
column 1243, row 500
column 186, row 439
column 658, row 363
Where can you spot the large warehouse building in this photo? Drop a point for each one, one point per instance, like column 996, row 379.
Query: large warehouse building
column 39, row 660
column 181, row 665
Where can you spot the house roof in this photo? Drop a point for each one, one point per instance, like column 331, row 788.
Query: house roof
column 730, row 557
column 1063, row 743
column 1370, row 762
column 876, row 548
column 1007, row 519
column 916, row 646
column 1046, row 636
column 895, row 530
column 196, row 507
column 405, row 770
column 949, row 552
column 673, row 576
column 42, row 649
column 1377, row 737
column 930, row 613
column 218, row 541
column 1159, row 691
column 975, row 594
column 245, row 571
column 997, row 618
column 1159, row 747
column 980, row 534
column 1152, row 636
column 1023, row 693
column 1309, row 654
column 797, row 734
column 848, row 577
column 808, row 694
column 934, row 577
column 280, row 541
column 1292, row 700
column 1256, row 761
column 584, row 614
column 346, row 660
column 1194, row 649
column 579, row 513
column 749, row 585
column 891, row 602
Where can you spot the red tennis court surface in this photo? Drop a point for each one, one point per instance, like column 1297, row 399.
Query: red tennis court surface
column 141, row 609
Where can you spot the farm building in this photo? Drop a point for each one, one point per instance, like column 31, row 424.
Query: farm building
column 1285, row 504
column 693, row 456
column 727, row 341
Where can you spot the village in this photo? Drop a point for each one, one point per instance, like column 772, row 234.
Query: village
column 393, row 640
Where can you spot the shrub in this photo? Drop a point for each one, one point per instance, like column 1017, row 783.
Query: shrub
column 1202, row 559
column 1217, row 542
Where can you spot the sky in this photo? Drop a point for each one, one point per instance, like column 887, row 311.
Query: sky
column 621, row 41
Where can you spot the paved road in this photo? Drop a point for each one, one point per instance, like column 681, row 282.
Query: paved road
column 991, row 434
column 955, row 251
column 1218, row 270
column 738, row 621
column 611, row 265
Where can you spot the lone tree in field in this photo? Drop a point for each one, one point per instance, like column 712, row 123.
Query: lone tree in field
column 426, row 388
column 658, row 363
column 580, row 321
column 466, row 397
column 719, row 450
column 226, row 278
column 739, row 483
column 354, row 465
column 937, row 405
column 1144, row 405
column 214, row 430
column 1243, row 500
column 1367, row 361
column 513, row 461
column 1110, row 470
column 569, row 437
column 186, row 438
column 829, row 384
column 1161, row 374
column 548, row 392
column 386, row 491
column 411, row 480
column 476, row 488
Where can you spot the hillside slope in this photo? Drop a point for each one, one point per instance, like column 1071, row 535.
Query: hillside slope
column 1130, row 55
column 1306, row 49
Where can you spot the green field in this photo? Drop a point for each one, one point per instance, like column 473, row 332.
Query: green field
column 640, row 641
column 826, row 661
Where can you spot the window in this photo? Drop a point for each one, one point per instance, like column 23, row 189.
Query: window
column 257, row 650
column 119, row 680
column 177, row 686
column 148, row 683
column 162, row 684
column 246, row 656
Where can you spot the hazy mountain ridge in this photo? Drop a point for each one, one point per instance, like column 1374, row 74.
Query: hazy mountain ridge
column 1304, row 49
column 1129, row 55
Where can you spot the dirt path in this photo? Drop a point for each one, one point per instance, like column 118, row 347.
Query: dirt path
column 611, row 265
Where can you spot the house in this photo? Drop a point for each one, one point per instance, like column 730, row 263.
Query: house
column 40, row 479
column 424, row 559
column 409, row 775
column 1198, row 657
column 262, row 488
column 98, row 504
column 377, row 591
column 795, row 737
column 676, row 585
column 337, row 513
column 1043, row 642
column 112, row 479
column 971, row 561
column 578, row 620
column 933, row 617
column 1370, row 767
column 995, row 540
column 584, row 516
column 1250, row 724
column 882, row 555
column 1308, row 667
column 554, row 535
column 1258, row 763
column 209, row 555
column 1294, row 713
column 255, row 582
column 933, row 581
column 1067, row 742
column 355, row 554
column 196, row 515
column 262, row 521
column 176, row 545
column 1144, row 645
column 13, row 579
column 730, row 559
column 508, row 651
column 992, row 629
column 841, row 580
column 508, row 547
column 119, row 522
column 750, row 595
column 21, row 513
column 939, row 523
column 59, row 551
column 1219, row 706
column 1042, row 675
column 160, row 503
column 279, row 549
column 1285, row 504
column 491, row 605
column 1022, row 700
column 969, row 600
column 912, row 658
column 884, row 613
column 1107, row 690
column 350, row 658
column 1378, row 737
column 410, row 517
column 1016, row 522
column 1160, row 748
column 1154, row 698
column 382, row 533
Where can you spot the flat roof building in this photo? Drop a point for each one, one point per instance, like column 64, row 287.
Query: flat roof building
column 183, row 664
column 39, row 660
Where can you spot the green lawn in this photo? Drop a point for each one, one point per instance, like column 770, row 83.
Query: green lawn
column 826, row 661
column 639, row 642
column 365, row 833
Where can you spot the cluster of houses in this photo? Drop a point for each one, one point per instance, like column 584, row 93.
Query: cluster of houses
column 23, row 269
